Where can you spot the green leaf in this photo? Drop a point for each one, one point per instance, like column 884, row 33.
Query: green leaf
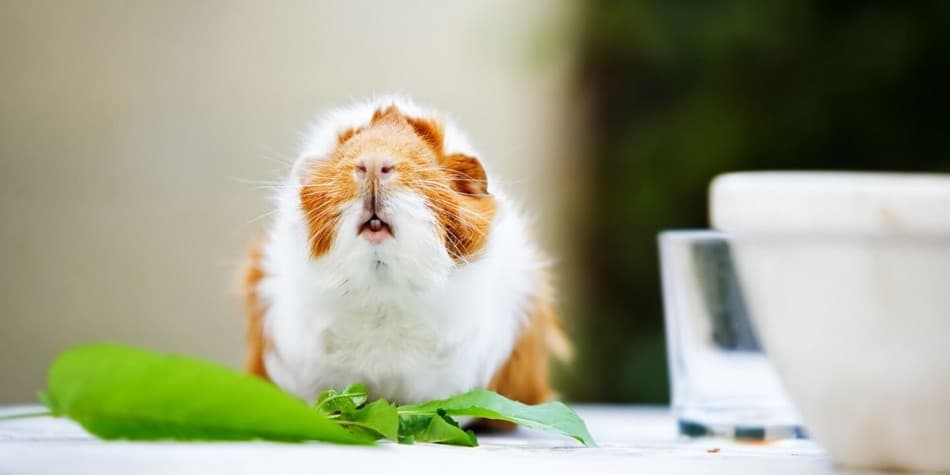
column 443, row 429
column 410, row 425
column 118, row 392
column 439, row 428
column 549, row 417
column 379, row 416
column 343, row 402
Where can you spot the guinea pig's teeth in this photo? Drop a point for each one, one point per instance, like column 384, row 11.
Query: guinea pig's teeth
column 375, row 224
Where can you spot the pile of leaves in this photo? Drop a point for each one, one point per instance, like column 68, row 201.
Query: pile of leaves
column 120, row 392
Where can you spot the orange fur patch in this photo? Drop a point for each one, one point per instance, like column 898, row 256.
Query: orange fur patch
column 465, row 221
column 468, row 176
column 329, row 186
column 257, row 342
column 390, row 114
column 429, row 130
column 345, row 135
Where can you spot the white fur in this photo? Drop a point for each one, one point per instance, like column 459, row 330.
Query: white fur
column 402, row 317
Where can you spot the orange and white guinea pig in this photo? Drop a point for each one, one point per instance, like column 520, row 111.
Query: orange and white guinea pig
column 395, row 260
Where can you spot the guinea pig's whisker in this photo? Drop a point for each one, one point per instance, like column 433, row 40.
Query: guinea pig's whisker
column 262, row 184
column 287, row 163
column 447, row 171
column 459, row 176
column 320, row 213
column 261, row 216
column 437, row 185
column 460, row 210
column 455, row 247
column 462, row 214
column 465, row 177
column 257, row 182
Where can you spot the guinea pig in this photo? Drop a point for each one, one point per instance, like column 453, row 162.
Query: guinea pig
column 395, row 260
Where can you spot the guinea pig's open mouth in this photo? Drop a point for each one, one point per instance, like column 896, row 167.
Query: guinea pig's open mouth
column 375, row 230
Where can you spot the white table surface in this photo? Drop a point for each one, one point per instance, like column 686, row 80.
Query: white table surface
column 633, row 440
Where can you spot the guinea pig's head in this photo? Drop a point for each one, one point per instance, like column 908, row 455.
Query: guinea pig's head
column 389, row 202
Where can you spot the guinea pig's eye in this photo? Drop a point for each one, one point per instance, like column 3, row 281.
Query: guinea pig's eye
column 387, row 169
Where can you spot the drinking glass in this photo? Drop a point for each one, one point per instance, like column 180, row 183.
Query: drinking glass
column 722, row 383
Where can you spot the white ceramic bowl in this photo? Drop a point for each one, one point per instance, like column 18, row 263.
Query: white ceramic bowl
column 848, row 279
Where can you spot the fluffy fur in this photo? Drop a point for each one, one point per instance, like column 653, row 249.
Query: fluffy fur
column 447, row 304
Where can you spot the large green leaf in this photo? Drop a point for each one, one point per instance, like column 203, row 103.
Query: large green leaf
column 549, row 417
column 118, row 392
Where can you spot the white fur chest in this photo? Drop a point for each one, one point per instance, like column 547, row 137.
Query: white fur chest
column 331, row 324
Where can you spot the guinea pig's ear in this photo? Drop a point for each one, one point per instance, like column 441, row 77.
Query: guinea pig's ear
column 468, row 175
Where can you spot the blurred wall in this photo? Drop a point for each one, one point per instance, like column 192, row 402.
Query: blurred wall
column 130, row 130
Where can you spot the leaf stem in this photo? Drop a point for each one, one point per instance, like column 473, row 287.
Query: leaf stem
column 340, row 396
column 25, row 415
column 414, row 412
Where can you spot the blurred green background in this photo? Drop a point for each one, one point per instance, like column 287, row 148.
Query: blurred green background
column 681, row 91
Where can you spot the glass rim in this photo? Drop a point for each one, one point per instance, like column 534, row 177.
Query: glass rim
column 692, row 234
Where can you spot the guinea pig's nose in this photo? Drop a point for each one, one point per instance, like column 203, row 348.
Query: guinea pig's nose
column 371, row 169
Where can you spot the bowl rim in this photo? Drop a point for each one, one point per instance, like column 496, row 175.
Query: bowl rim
column 831, row 203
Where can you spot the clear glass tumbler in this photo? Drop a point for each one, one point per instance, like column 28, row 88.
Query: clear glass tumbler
column 722, row 383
